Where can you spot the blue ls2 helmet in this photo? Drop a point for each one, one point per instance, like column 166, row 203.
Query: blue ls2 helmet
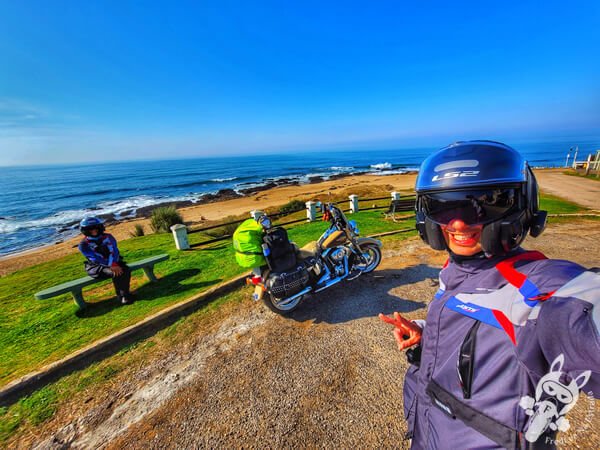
column 478, row 182
column 90, row 223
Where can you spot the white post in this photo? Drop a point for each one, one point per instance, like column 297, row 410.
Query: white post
column 311, row 211
column 395, row 195
column 256, row 213
column 575, row 157
column 181, row 236
column 353, row 203
column 568, row 156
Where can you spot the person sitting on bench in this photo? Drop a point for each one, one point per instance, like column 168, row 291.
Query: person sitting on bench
column 103, row 257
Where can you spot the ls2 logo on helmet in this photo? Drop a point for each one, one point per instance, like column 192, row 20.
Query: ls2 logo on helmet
column 463, row 173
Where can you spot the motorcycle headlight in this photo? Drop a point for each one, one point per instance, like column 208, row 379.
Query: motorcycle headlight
column 354, row 227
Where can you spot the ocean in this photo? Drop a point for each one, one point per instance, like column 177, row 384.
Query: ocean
column 43, row 204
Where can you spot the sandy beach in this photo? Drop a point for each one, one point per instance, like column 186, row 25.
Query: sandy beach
column 583, row 191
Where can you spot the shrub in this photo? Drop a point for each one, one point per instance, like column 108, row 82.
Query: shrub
column 163, row 218
column 292, row 207
column 138, row 231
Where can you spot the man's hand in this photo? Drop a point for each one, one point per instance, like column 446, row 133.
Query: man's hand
column 406, row 333
column 117, row 270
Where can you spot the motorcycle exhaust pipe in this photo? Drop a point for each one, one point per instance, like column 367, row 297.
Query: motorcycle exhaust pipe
column 304, row 291
column 330, row 283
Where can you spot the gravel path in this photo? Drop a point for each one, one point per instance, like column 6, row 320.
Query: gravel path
column 329, row 376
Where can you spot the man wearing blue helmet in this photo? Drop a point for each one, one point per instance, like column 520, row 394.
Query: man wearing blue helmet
column 103, row 257
column 503, row 318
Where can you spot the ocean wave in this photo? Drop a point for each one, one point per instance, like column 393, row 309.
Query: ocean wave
column 381, row 166
column 308, row 176
column 341, row 168
column 221, row 180
column 280, row 180
column 249, row 185
column 388, row 172
column 8, row 226
column 398, row 171
column 98, row 192
column 64, row 219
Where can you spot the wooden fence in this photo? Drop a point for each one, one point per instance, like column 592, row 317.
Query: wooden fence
column 180, row 232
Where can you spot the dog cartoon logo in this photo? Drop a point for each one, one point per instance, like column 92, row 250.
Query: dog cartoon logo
column 552, row 401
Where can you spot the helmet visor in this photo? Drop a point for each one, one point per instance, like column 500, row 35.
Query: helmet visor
column 472, row 207
column 88, row 230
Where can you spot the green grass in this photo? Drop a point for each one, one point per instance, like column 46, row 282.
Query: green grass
column 557, row 205
column 40, row 406
column 36, row 332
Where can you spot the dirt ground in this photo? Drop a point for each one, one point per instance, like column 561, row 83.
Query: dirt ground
column 583, row 191
column 328, row 376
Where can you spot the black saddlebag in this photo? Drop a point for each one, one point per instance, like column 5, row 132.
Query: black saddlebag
column 282, row 253
column 286, row 284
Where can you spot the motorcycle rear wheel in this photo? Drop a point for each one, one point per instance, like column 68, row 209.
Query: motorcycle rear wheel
column 281, row 306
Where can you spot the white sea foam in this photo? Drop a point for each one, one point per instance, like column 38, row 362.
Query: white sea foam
column 394, row 171
column 315, row 174
column 240, row 187
column 381, row 166
column 342, row 168
column 221, row 180
column 69, row 217
column 8, row 226
column 387, row 172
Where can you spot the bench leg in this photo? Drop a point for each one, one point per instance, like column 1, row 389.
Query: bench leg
column 78, row 297
column 149, row 271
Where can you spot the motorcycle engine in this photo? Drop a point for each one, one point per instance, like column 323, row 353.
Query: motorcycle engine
column 338, row 255
column 337, row 258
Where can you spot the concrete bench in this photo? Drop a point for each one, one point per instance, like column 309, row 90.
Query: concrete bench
column 75, row 287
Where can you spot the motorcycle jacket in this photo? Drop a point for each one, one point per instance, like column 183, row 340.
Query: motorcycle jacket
column 102, row 250
column 495, row 329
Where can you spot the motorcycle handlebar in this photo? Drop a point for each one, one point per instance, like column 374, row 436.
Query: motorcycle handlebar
column 337, row 217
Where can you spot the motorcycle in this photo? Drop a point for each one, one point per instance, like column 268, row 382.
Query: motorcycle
column 340, row 254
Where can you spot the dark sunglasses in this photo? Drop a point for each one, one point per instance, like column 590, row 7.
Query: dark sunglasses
column 472, row 207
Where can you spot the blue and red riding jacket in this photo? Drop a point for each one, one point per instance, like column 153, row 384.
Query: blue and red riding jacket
column 492, row 332
column 102, row 250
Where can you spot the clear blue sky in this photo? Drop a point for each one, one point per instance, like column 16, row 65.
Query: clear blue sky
column 104, row 80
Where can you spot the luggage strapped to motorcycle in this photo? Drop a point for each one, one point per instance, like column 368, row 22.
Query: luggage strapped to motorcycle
column 280, row 253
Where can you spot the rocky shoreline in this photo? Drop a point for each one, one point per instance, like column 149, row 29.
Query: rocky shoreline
column 221, row 195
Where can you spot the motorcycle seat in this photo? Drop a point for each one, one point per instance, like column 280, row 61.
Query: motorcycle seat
column 307, row 251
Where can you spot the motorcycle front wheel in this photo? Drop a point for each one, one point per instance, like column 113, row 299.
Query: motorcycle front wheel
column 281, row 305
column 372, row 255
